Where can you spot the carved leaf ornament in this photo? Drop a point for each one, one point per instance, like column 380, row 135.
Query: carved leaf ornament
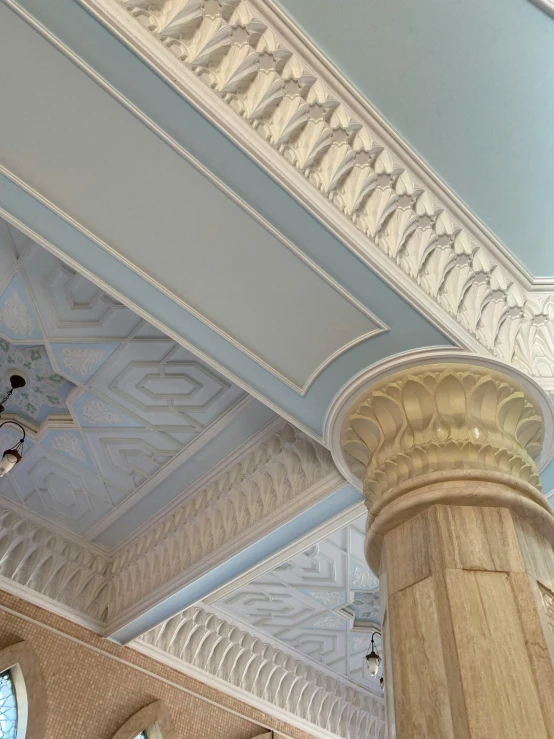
column 443, row 418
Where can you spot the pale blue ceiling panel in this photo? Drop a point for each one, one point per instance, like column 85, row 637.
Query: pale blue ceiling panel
column 279, row 304
column 469, row 86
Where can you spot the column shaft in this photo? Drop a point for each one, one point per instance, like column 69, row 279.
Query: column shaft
column 469, row 641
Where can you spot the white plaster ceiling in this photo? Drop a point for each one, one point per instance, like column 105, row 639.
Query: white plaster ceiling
column 111, row 404
column 322, row 603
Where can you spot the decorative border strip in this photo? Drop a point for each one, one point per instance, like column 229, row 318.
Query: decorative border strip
column 252, row 668
column 281, row 97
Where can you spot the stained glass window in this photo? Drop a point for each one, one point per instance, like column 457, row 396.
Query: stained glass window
column 8, row 707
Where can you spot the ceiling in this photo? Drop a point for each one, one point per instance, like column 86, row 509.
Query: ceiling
column 469, row 86
column 118, row 414
column 322, row 603
column 243, row 289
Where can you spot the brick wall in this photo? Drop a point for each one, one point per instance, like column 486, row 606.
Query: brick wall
column 94, row 686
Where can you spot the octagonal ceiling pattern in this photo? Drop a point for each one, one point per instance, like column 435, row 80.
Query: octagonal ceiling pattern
column 322, row 603
column 109, row 400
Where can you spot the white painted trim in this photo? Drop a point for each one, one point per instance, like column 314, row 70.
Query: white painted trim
column 49, row 604
column 235, row 456
column 300, row 389
column 288, row 650
column 199, row 442
column 53, row 527
column 317, row 492
column 217, row 112
column 364, row 380
column 316, row 535
column 546, row 5
column 151, row 319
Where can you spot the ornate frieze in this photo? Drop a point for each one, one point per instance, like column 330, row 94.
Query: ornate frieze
column 200, row 638
column 406, row 220
column 251, row 496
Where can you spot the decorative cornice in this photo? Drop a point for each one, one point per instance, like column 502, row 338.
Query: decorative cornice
column 277, row 476
column 272, row 483
column 200, row 639
column 58, row 569
column 546, row 5
column 324, row 142
column 439, row 418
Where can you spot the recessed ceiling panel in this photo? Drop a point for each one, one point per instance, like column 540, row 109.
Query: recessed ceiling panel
column 155, row 209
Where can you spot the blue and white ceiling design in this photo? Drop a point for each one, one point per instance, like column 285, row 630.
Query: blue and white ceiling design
column 207, row 244
column 109, row 402
column 469, row 86
column 322, row 603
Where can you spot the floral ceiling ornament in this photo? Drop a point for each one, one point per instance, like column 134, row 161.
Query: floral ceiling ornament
column 99, row 414
column 14, row 316
column 81, row 361
column 69, row 444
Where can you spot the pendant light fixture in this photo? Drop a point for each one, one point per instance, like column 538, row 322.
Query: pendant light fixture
column 12, row 456
column 373, row 658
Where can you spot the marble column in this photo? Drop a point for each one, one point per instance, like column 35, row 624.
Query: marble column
column 461, row 538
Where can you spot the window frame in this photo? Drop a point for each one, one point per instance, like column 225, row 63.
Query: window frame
column 153, row 720
column 30, row 693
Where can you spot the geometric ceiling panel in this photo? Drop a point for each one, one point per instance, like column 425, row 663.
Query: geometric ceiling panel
column 322, row 603
column 109, row 400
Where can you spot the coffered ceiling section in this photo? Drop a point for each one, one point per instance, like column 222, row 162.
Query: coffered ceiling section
column 171, row 218
column 322, row 604
column 117, row 413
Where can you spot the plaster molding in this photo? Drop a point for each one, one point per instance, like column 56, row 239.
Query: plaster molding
column 297, row 547
column 210, row 648
column 268, row 481
column 278, row 479
column 283, row 102
column 275, row 425
column 63, row 571
column 546, row 5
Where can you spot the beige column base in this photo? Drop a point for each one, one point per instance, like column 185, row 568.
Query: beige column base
column 468, row 612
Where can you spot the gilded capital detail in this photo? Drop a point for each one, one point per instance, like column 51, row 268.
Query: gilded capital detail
column 440, row 418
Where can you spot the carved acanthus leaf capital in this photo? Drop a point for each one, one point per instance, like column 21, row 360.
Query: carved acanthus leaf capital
column 441, row 417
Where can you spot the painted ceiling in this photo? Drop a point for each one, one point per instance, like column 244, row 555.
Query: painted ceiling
column 243, row 289
column 469, row 86
column 322, row 603
column 113, row 407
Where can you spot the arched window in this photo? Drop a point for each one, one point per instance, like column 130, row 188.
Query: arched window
column 22, row 694
column 151, row 722
column 8, row 707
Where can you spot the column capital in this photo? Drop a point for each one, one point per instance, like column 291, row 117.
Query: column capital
column 453, row 433
column 441, row 417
